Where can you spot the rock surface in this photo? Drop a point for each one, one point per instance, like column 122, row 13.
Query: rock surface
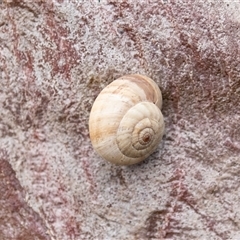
column 17, row 219
column 56, row 56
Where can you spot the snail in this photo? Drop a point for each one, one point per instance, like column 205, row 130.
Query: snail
column 126, row 123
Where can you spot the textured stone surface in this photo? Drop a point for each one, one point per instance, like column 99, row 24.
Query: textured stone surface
column 17, row 219
column 56, row 56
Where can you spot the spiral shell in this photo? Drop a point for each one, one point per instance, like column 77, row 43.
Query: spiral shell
column 126, row 123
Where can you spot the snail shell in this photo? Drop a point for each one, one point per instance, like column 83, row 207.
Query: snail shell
column 126, row 123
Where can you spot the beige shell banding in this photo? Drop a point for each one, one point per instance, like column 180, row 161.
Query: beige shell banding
column 126, row 123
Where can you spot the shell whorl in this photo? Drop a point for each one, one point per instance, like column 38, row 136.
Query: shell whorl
column 126, row 123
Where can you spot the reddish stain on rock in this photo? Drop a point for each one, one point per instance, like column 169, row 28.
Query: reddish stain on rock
column 17, row 219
